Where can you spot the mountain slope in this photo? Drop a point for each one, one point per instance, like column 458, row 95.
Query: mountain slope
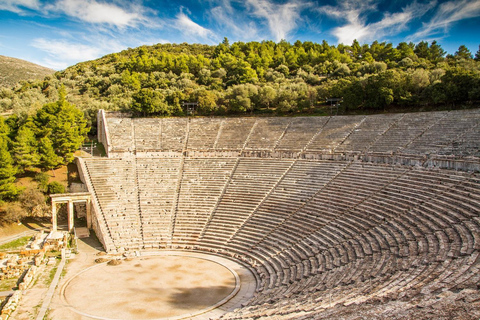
column 13, row 70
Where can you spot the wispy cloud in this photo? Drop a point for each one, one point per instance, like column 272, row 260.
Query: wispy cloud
column 95, row 12
column 19, row 6
column 447, row 14
column 233, row 21
column 192, row 29
column 356, row 15
column 281, row 18
column 62, row 53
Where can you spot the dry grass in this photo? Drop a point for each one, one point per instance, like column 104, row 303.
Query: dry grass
column 13, row 70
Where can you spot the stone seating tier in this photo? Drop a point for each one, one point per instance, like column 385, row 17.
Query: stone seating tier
column 345, row 231
column 443, row 134
column 324, row 236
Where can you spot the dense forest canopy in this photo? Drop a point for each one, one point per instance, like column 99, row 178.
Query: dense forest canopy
column 254, row 77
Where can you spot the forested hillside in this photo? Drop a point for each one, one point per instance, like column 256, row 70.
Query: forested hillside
column 260, row 77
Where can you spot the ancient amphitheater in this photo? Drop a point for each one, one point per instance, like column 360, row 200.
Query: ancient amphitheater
column 343, row 217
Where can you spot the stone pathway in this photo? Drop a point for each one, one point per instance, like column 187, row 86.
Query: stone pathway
column 46, row 301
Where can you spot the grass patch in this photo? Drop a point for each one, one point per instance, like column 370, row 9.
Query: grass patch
column 64, row 271
column 56, row 254
column 8, row 284
column 47, row 315
column 15, row 244
column 51, row 275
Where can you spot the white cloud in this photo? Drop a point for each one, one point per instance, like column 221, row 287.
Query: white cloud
column 62, row 54
column 93, row 11
column 356, row 14
column 281, row 18
column 18, row 6
column 192, row 29
column 447, row 14
column 233, row 21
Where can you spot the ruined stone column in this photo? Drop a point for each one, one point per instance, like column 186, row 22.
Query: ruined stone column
column 89, row 214
column 70, row 216
column 54, row 216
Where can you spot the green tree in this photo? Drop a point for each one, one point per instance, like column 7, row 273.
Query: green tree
column 463, row 53
column 55, row 187
column 4, row 128
column 356, row 50
column 148, row 101
column 240, row 98
column 64, row 124
column 341, row 71
column 406, row 50
column 206, row 101
column 42, row 180
column 266, row 95
column 421, row 50
column 24, row 149
column 49, row 160
column 8, row 190
column 435, row 52
column 477, row 54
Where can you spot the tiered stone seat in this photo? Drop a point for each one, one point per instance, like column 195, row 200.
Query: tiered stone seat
column 249, row 185
column 157, row 180
column 384, row 240
column 335, row 132
column 117, row 194
column 300, row 184
column 368, row 132
column 173, row 134
column 148, row 134
column 466, row 143
column 319, row 233
column 203, row 182
column 203, row 133
column 444, row 132
column 299, row 133
column 234, row 133
column 121, row 134
column 404, row 131
column 266, row 133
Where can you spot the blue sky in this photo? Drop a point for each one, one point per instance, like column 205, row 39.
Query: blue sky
column 60, row 33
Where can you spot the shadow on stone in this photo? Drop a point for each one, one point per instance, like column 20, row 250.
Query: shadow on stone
column 198, row 298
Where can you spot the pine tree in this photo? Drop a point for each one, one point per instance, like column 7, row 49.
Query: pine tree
column 421, row 50
column 4, row 128
column 8, row 190
column 64, row 125
column 5, row 132
column 25, row 147
column 463, row 52
column 436, row 53
column 477, row 55
column 49, row 160
column 68, row 131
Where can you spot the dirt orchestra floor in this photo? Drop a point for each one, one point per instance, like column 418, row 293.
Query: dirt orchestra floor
column 160, row 285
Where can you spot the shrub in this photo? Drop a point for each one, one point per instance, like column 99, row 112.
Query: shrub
column 31, row 198
column 56, row 187
column 13, row 212
column 42, row 181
